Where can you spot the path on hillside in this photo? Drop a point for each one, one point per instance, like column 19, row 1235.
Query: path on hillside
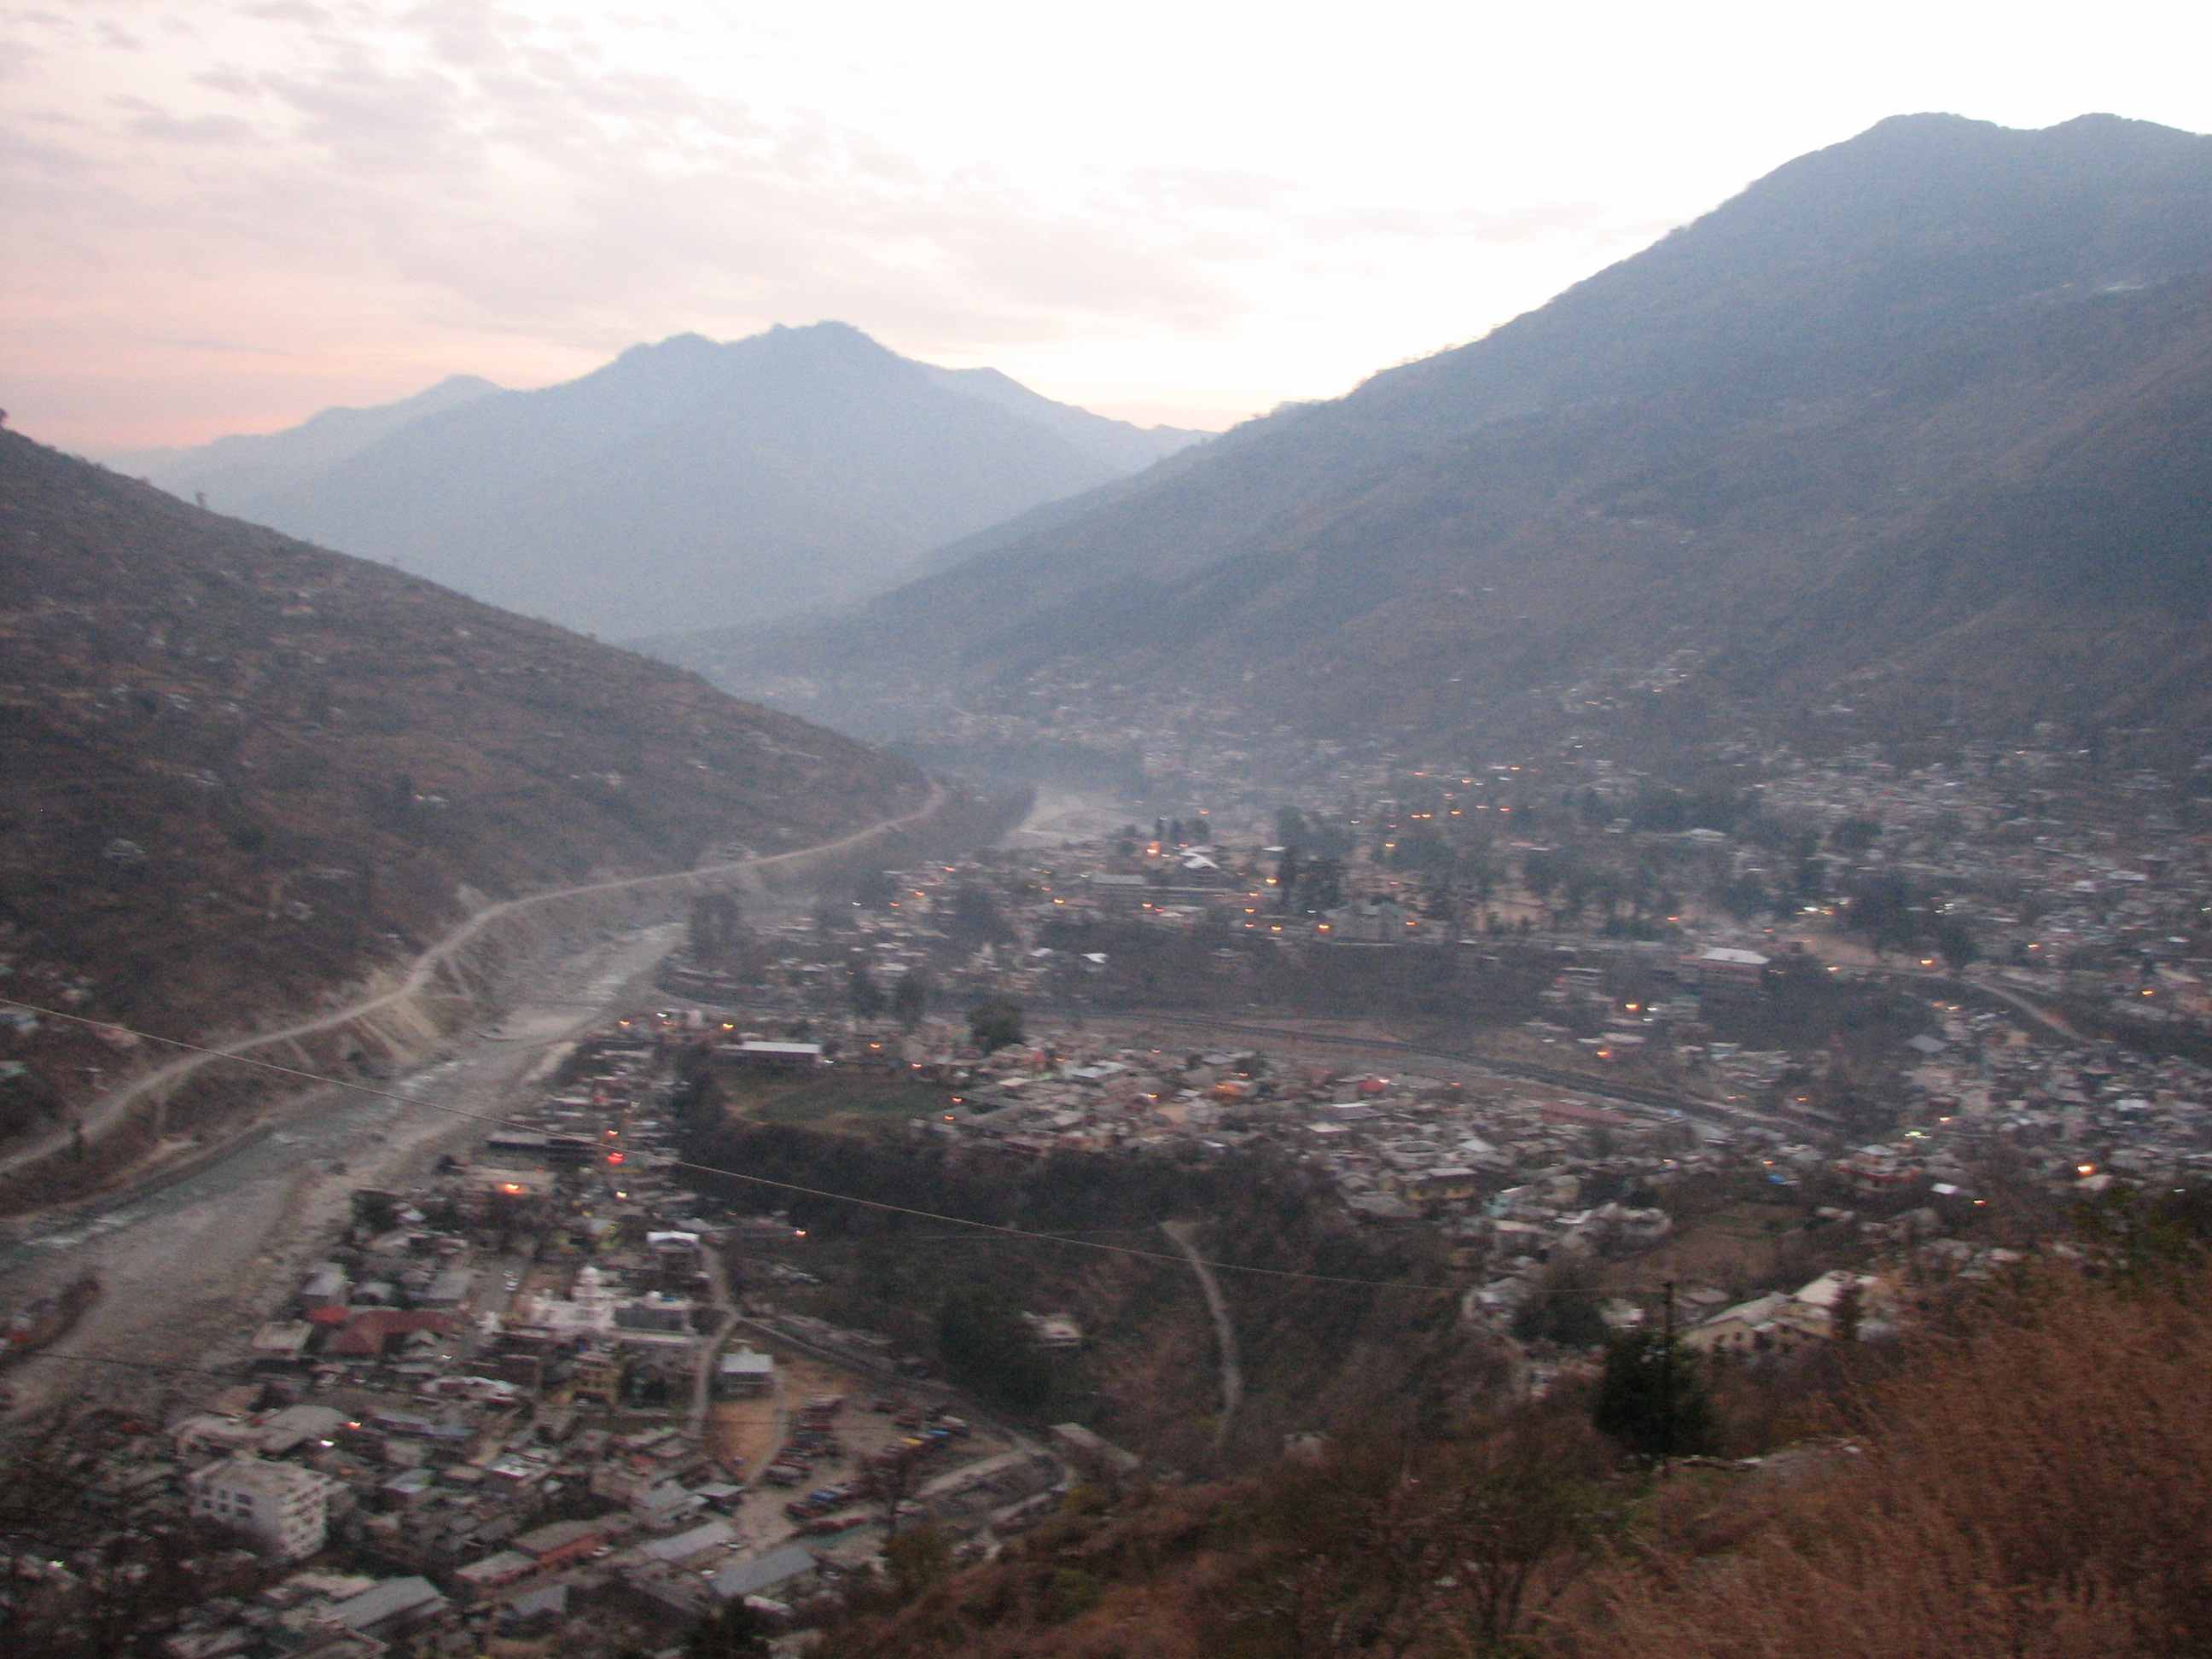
column 114, row 1107
column 1224, row 1329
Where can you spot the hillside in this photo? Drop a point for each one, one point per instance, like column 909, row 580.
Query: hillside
column 2028, row 1480
column 685, row 482
column 237, row 770
column 1912, row 431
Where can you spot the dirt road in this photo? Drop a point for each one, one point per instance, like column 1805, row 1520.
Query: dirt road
column 1225, row 1329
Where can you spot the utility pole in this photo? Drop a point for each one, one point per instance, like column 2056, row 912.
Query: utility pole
column 1667, row 1362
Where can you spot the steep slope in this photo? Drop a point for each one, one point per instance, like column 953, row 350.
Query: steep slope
column 233, row 473
column 694, row 482
column 237, row 771
column 1724, row 463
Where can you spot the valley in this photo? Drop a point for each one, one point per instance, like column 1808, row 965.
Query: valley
column 1558, row 1007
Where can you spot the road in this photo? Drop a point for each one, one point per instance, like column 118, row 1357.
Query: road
column 192, row 1267
column 1578, row 1082
column 114, row 1107
column 1225, row 1329
column 710, row 1351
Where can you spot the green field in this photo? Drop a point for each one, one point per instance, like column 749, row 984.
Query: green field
column 814, row 1100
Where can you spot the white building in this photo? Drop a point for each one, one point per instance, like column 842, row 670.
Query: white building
column 587, row 1310
column 283, row 1505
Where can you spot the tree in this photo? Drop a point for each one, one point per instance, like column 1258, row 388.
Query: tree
column 1855, row 834
column 917, row 1559
column 987, row 1346
column 732, row 1631
column 995, row 1023
column 910, row 999
column 1651, row 1397
column 1562, row 1307
column 975, row 918
column 866, row 995
column 1849, row 1313
column 1432, row 1550
column 1956, row 941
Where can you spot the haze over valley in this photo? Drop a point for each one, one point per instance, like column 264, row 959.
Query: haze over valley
column 687, row 480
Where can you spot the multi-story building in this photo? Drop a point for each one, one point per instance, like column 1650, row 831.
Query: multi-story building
column 283, row 1505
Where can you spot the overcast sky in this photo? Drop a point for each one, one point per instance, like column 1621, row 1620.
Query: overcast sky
column 221, row 216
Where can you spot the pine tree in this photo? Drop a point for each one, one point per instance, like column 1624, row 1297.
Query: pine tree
column 867, row 996
column 910, row 999
column 1651, row 1397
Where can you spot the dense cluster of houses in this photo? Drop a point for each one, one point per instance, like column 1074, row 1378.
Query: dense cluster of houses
column 493, row 1410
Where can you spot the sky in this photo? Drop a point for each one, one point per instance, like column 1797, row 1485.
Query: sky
column 221, row 216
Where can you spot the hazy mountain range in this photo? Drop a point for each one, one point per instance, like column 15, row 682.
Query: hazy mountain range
column 686, row 482
column 1916, row 431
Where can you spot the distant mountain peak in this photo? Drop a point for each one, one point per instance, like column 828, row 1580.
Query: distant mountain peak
column 687, row 480
column 1921, row 412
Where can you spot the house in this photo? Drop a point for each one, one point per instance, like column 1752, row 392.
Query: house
column 449, row 1290
column 480, row 1579
column 779, row 1575
column 1057, row 1331
column 1445, row 1185
column 325, row 1287
column 598, row 1376
column 560, row 1542
column 367, row 1333
column 1725, row 972
column 283, row 1505
column 760, row 1056
column 1118, row 892
column 281, row 1342
column 697, row 1541
column 1092, row 1452
column 1740, row 1329
column 388, row 1606
column 744, row 1375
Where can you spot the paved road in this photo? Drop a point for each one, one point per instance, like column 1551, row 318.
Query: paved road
column 114, row 1107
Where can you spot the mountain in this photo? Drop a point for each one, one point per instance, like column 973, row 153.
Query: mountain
column 238, row 771
column 1917, row 431
column 695, row 481
column 1116, row 445
column 232, row 473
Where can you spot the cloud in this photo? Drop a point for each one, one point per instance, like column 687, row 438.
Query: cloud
column 389, row 189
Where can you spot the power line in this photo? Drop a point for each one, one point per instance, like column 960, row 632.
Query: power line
column 993, row 1227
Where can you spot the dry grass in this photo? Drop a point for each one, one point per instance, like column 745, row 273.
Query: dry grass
column 2033, row 1486
column 2030, row 1483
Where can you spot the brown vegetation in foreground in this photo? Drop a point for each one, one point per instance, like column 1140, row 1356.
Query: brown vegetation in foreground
column 2029, row 1483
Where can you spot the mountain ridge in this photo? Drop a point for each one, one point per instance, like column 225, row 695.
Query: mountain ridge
column 688, row 477
column 239, row 772
column 1694, row 449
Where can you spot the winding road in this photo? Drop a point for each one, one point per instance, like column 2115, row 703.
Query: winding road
column 1225, row 1329
column 115, row 1106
